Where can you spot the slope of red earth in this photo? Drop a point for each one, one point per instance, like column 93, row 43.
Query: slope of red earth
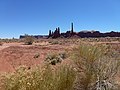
column 13, row 56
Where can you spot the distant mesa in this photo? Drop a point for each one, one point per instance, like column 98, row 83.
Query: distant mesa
column 82, row 34
column 35, row 36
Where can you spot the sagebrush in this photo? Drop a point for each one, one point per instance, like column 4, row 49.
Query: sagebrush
column 44, row 78
column 96, row 69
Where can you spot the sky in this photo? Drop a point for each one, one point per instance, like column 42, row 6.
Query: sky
column 37, row 17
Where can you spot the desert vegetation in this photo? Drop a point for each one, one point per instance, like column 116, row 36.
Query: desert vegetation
column 44, row 78
column 69, row 64
column 96, row 69
column 28, row 40
column 54, row 58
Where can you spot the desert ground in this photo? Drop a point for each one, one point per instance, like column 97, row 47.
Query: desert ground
column 14, row 53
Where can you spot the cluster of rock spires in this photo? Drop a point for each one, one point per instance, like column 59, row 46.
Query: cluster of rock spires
column 81, row 34
column 57, row 34
column 71, row 33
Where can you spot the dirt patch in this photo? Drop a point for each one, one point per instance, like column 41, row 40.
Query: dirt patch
column 13, row 56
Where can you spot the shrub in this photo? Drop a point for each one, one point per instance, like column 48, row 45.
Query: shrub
column 37, row 55
column 54, row 42
column 63, row 55
column 29, row 40
column 44, row 78
column 55, row 58
column 96, row 71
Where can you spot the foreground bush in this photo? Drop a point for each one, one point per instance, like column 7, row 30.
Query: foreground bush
column 96, row 70
column 44, row 78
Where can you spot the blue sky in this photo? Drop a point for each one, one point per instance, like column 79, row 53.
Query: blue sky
column 38, row 16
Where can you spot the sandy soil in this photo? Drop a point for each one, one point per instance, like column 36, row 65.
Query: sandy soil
column 13, row 55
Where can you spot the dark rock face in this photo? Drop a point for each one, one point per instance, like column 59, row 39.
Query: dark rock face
column 71, row 33
column 88, row 34
column 82, row 34
column 56, row 33
column 36, row 36
column 98, row 34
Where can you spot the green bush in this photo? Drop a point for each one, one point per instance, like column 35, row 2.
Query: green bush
column 44, row 78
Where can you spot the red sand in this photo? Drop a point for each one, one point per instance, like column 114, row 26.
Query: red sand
column 15, row 54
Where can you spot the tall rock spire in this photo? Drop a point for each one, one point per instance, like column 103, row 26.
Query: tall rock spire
column 50, row 33
column 72, row 28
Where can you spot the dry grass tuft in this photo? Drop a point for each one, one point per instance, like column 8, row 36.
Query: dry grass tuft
column 96, row 70
column 44, row 78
